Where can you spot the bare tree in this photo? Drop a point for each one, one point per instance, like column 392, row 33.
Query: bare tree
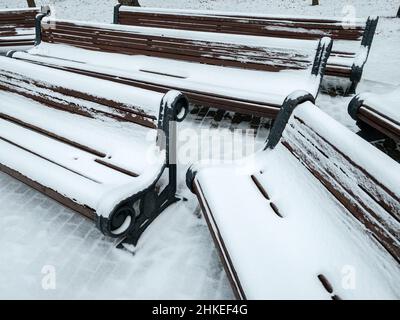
column 315, row 2
column 133, row 3
column 31, row 3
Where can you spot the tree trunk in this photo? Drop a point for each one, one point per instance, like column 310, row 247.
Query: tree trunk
column 31, row 3
column 132, row 3
column 315, row 2
column 398, row 13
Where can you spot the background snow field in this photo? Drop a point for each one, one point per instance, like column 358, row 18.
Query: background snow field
column 175, row 258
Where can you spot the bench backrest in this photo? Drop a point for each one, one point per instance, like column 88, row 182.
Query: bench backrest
column 249, row 24
column 257, row 53
column 362, row 178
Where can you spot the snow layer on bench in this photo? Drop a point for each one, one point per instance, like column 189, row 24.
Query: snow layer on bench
column 280, row 258
column 6, row 11
column 130, row 147
column 388, row 104
column 148, row 101
column 236, row 83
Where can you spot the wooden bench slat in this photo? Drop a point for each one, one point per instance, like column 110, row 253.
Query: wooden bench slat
column 16, row 23
column 288, row 27
column 59, row 135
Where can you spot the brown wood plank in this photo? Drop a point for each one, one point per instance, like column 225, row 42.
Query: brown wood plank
column 84, row 210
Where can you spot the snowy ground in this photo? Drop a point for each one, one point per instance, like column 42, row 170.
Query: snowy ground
column 176, row 257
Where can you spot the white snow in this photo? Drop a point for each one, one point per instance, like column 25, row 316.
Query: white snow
column 17, row 9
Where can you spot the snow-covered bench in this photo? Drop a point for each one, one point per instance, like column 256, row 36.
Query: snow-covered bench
column 378, row 111
column 93, row 145
column 17, row 28
column 352, row 37
column 246, row 74
column 313, row 215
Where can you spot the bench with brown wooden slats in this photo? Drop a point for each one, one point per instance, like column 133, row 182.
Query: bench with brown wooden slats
column 377, row 113
column 187, row 50
column 17, row 27
column 344, row 62
column 316, row 201
column 93, row 145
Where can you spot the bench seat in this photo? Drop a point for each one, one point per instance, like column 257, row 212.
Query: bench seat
column 88, row 143
column 380, row 112
column 281, row 221
column 239, row 73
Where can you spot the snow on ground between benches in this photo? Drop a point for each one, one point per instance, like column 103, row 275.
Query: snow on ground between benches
column 37, row 231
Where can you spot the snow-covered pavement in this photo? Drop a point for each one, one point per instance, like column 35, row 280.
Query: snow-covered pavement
column 175, row 258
